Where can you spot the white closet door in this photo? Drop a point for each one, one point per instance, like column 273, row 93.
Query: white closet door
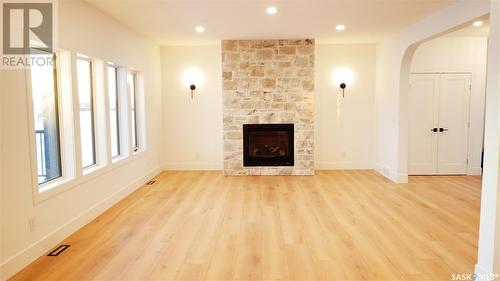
column 423, row 108
column 454, row 95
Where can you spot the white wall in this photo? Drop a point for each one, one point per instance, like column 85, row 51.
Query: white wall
column 344, row 127
column 192, row 128
column 2, row 256
column 488, row 260
column 460, row 54
column 81, row 29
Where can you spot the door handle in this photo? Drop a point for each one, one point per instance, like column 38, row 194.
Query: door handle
column 443, row 130
column 434, row 130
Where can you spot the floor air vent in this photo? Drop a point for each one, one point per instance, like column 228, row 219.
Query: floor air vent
column 58, row 250
column 151, row 182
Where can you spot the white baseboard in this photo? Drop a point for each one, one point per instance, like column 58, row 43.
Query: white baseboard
column 401, row 178
column 17, row 262
column 188, row 166
column 391, row 175
column 475, row 171
column 194, row 166
column 384, row 171
column 343, row 166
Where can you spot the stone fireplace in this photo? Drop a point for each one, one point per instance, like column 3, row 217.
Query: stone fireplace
column 268, row 107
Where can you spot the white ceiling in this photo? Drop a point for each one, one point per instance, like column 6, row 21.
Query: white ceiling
column 173, row 22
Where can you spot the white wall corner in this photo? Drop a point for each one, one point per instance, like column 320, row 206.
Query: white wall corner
column 17, row 262
column 488, row 256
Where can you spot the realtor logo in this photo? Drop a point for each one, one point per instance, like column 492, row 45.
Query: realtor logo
column 25, row 26
column 28, row 28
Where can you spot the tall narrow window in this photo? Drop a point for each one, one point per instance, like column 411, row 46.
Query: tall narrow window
column 114, row 115
column 85, row 97
column 45, row 105
column 132, row 81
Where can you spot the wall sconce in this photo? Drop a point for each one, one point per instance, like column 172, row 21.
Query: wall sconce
column 192, row 77
column 192, row 87
column 343, row 86
column 342, row 77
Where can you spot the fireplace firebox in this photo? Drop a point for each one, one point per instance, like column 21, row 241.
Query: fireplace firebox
column 268, row 145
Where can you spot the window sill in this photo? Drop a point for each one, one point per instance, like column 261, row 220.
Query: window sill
column 56, row 187
column 118, row 159
column 92, row 169
column 48, row 186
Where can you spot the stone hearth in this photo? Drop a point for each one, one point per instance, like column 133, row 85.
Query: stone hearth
column 268, row 82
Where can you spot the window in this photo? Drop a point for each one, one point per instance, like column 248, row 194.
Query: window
column 74, row 90
column 114, row 114
column 45, row 105
column 131, row 81
column 86, row 101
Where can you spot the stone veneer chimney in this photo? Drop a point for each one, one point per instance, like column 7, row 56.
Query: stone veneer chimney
column 264, row 82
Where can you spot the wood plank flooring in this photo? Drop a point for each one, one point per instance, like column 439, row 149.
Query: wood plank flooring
column 336, row 225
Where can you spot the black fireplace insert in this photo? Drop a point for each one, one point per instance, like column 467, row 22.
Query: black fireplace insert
column 268, row 145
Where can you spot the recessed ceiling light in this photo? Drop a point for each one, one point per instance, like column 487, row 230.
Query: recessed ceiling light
column 340, row 27
column 271, row 10
column 477, row 23
column 199, row 29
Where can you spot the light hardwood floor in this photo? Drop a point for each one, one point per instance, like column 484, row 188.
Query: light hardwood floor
column 336, row 225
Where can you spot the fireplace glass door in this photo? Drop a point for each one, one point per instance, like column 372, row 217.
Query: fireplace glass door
column 268, row 145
